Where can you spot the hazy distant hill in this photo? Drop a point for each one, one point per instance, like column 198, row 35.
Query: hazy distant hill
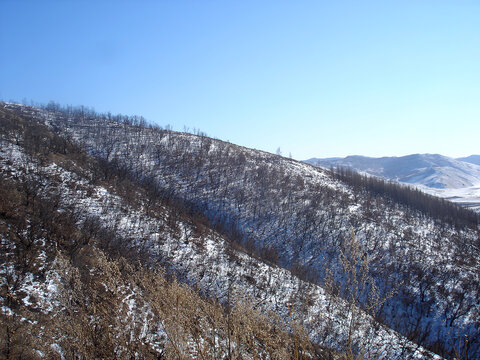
column 455, row 179
column 473, row 159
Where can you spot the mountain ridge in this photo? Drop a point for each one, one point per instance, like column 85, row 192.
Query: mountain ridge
column 473, row 159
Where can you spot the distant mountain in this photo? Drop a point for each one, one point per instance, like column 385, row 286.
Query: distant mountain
column 455, row 179
column 473, row 159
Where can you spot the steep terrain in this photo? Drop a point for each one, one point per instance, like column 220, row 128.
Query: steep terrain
column 285, row 212
column 457, row 180
column 81, row 269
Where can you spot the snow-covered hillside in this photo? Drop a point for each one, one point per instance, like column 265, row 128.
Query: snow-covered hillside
column 206, row 262
column 457, row 180
column 473, row 159
column 294, row 215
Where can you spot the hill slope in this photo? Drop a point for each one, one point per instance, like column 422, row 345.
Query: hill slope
column 301, row 218
column 473, row 159
column 82, row 250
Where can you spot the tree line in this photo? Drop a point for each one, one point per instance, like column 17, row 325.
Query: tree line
column 435, row 207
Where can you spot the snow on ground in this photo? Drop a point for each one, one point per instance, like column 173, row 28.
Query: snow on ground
column 468, row 197
column 210, row 263
column 438, row 175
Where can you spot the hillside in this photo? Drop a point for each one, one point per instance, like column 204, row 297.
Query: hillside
column 90, row 264
column 472, row 159
column 457, row 180
column 274, row 229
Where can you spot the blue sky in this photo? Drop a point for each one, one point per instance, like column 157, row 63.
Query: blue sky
column 316, row 78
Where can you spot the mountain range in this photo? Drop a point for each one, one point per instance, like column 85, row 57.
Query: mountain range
column 457, row 180
column 122, row 239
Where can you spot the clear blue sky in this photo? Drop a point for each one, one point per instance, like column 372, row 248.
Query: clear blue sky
column 316, row 78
